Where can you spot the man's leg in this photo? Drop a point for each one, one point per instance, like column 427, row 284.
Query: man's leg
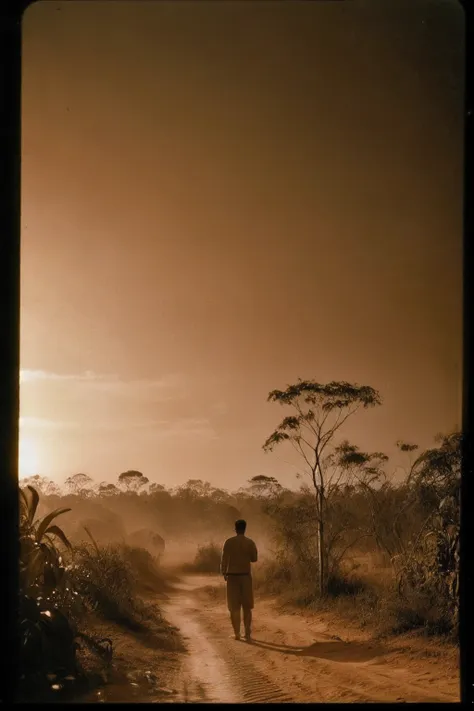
column 248, row 622
column 247, row 604
column 235, row 619
column 233, row 604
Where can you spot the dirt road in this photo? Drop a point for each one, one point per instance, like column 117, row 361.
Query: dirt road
column 295, row 657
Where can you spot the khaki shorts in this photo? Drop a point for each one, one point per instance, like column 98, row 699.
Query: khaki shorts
column 239, row 592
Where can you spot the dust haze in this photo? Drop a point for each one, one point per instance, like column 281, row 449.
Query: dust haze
column 241, row 298
column 145, row 562
column 186, row 519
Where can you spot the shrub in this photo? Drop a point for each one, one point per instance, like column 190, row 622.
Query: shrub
column 429, row 577
column 147, row 574
column 105, row 582
column 340, row 584
column 206, row 560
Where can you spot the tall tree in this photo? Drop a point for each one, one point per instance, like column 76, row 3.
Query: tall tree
column 264, row 486
column 42, row 484
column 80, row 484
column 195, row 488
column 319, row 412
column 132, row 480
column 107, row 489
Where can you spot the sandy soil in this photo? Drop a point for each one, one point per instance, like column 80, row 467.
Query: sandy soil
column 302, row 657
column 294, row 657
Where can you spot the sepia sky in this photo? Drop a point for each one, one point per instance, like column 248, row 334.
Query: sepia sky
column 220, row 197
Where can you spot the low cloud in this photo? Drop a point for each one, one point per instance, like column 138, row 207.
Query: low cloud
column 45, row 424
column 191, row 427
column 184, row 427
column 92, row 402
column 168, row 387
column 28, row 376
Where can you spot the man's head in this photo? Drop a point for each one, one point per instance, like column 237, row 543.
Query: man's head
column 240, row 526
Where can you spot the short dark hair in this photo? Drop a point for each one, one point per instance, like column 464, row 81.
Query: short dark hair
column 240, row 525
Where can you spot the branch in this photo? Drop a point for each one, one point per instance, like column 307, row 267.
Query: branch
column 305, row 421
column 378, row 540
column 325, row 417
column 317, row 467
column 275, row 438
column 343, row 471
column 310, row 446
column 297, row 446
column 333, row 538
column 411, row 473
column 326, row 438
column 410, row 501
column 341, row 555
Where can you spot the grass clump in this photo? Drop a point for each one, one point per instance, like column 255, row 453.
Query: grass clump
column 104, row 580
column 379, row 606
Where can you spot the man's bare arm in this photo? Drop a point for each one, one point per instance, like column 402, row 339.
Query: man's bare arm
column 224, row 559
column 253, row 554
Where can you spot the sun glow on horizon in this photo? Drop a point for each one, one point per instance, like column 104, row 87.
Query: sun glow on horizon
column 28, row 460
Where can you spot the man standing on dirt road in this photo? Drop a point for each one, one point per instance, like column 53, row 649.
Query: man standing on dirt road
column 237, row 555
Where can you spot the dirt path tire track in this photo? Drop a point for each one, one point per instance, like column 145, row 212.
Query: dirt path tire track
column 291, row 660
column 216, row 669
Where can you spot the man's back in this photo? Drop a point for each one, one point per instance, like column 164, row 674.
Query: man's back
column 237, row 555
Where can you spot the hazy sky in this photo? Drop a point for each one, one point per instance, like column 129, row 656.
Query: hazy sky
column 219, row 197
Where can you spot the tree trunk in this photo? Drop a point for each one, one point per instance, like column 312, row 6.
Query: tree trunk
column 322, row 567
column 321, row 551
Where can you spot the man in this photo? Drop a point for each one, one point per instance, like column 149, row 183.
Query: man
column 237, row 555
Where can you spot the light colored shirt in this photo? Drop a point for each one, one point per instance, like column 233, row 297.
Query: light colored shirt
column 237, row 555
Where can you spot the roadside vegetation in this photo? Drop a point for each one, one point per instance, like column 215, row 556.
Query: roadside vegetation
column 378, row 549
column 65, row 591
column 353, row 512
